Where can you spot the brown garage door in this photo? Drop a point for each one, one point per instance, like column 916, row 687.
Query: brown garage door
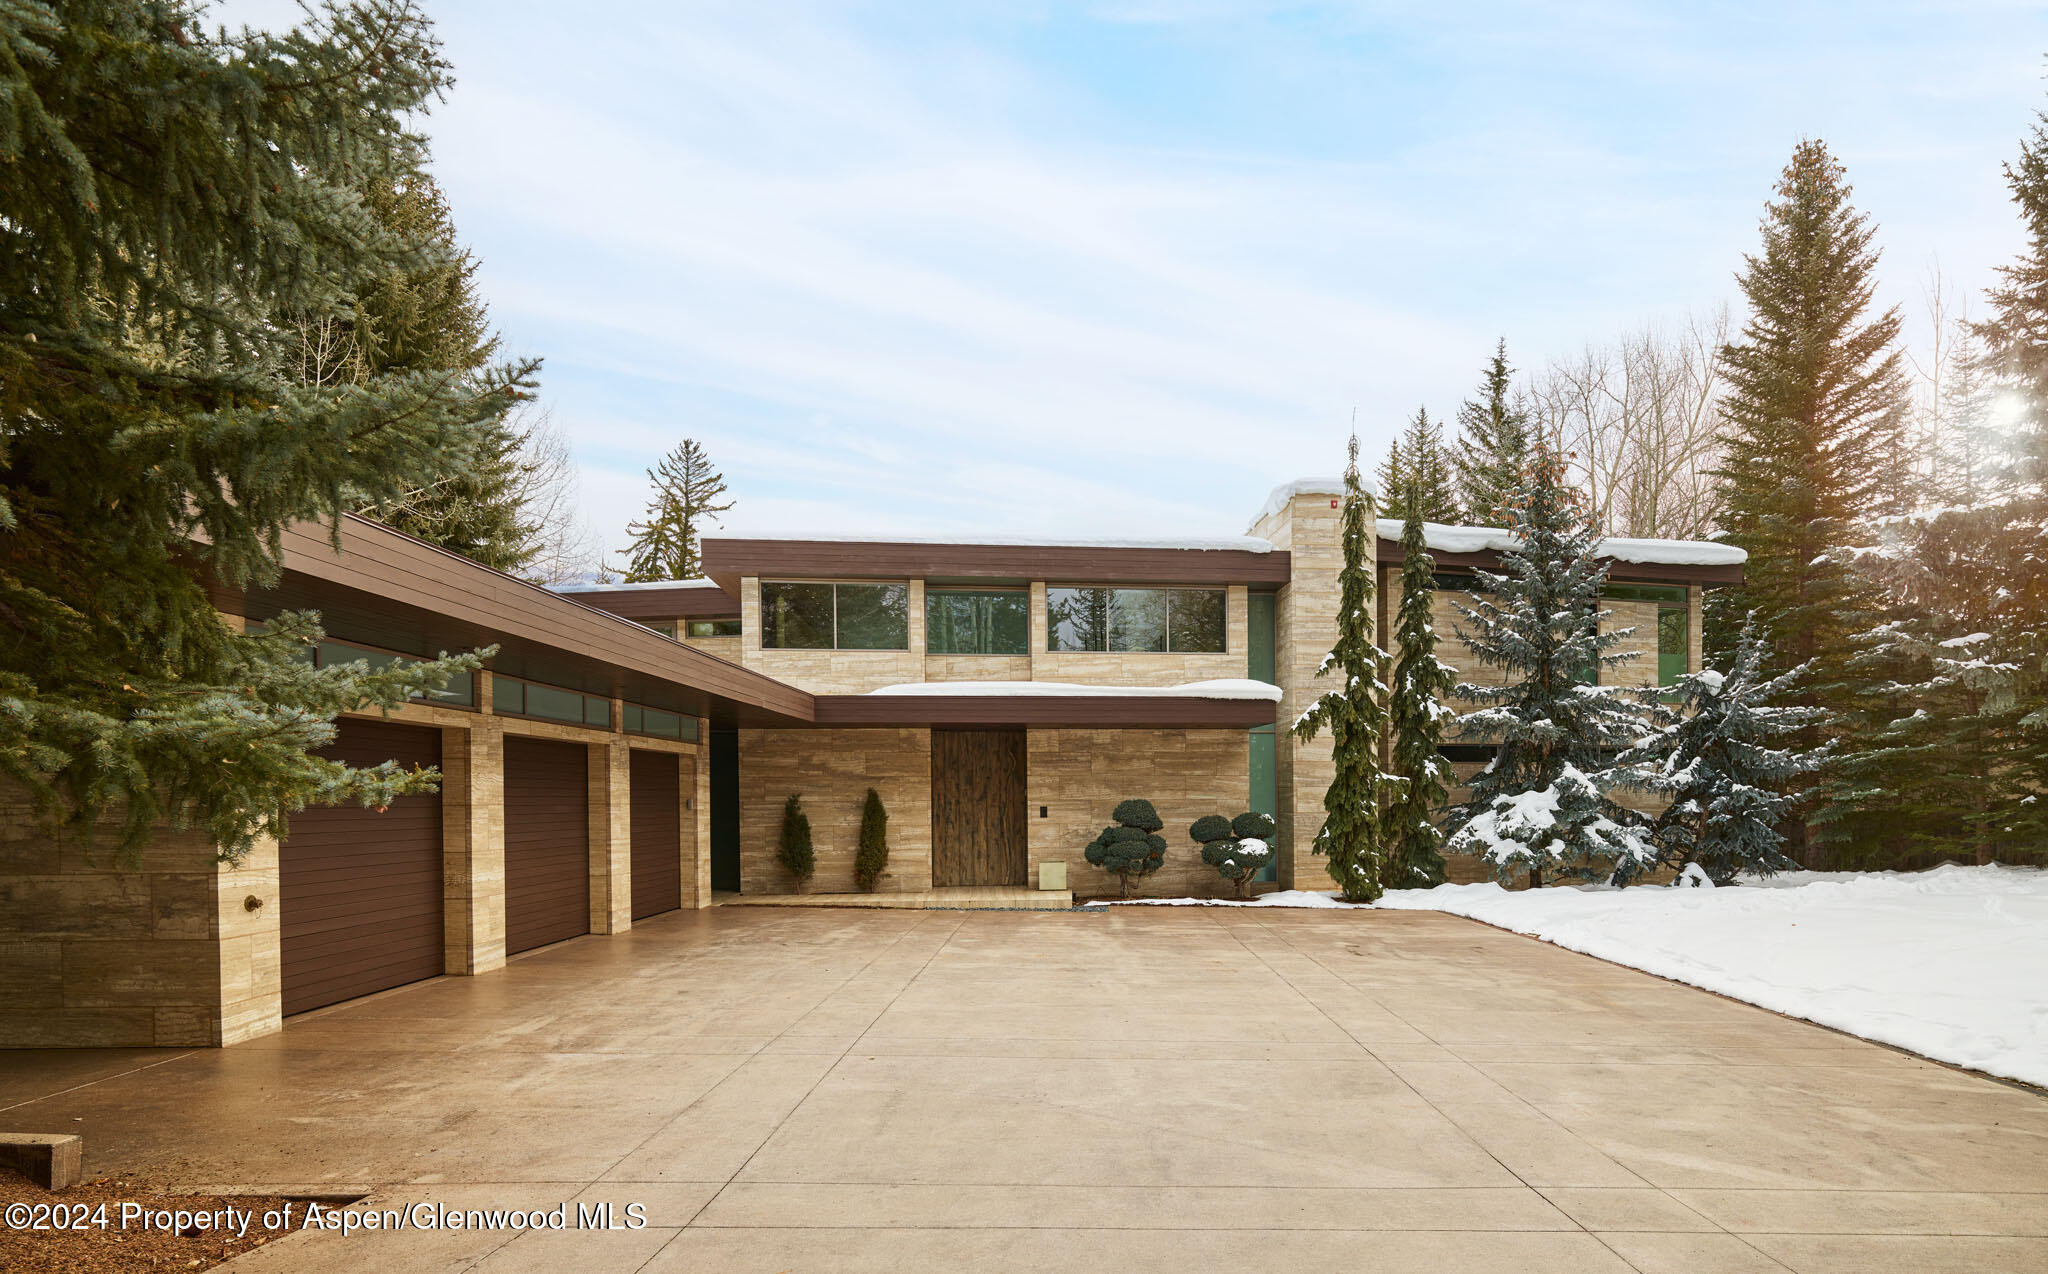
column 547, row 843
column 359, row 893
column 657, row 834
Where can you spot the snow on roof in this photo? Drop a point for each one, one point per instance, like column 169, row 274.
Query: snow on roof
column 587, row 587
column 1286, row 491
column 1210, row 543
column 1475, row 539
column 1222, row 689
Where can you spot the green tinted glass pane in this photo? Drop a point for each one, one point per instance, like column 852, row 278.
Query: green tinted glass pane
column 1264, row 790
column 874, row 616
column 1137, row 619
column 796, row 616
column 1195, row 620
column 662, row 725
column 1259, row 661
column 1674, row 644
column 631, row 717
column 340, row 652
column 554, row 704
column 666, row 627
column 714, row 628
column 1077, row 618
column 597, row 712
column 959, row 622
column 508, row 695
column 1669, row 596
column 461, row 689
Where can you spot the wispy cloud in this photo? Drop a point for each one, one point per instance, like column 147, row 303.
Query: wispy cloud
column 1118, row 267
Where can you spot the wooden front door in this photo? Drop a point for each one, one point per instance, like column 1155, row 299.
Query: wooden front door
column 978, row 809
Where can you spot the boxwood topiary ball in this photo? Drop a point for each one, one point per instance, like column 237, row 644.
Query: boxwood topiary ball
column 1256, row 826
column 1209, row 827
column 1118, row 835
column 1139, row 814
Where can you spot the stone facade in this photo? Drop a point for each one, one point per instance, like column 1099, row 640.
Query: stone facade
column 1304, row 630
column 166, row 954
column 185, row 951
column 726, row 648
column 1078, row 776
column 977, row 668
column 832, row 770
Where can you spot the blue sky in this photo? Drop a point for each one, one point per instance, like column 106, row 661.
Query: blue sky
column 1118, row 268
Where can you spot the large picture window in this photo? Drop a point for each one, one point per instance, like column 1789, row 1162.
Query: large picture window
column 959, row 621
column 1185, row 620
column 800, row 616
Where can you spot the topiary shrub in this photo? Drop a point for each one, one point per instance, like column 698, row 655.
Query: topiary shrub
column 1130, row 848
column 872, row 856
column 795, row 852
column 1238, row 848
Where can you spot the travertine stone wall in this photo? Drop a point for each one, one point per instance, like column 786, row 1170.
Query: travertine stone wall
column 610, row 809
column 842, row 672
column 1142, row 668
column 727, row 648
column 1640, row 672
column 1078, row 776
column 696, row 788
column 977, row 667
column 473, row 843
column 833, row 770
column 163, row 955
column 1305, row 628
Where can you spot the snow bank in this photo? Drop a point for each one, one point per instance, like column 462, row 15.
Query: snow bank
column 1284, row 898
column 1441, row 538
column 1222, row 689
column 1948, row 963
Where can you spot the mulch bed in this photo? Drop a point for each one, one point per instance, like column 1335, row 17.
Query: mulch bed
column 93, row 1248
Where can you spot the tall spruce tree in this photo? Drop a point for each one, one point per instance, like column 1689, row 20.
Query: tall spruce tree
column 1720, row 760
column 1417, row 711
column 1815, row 413
column 425, row 317
column 1493, row 444
column 668, row 545
column 2011, row 529
column 175, row 202
column 1418, row 473
column 1542, row 804
column 1353, row 838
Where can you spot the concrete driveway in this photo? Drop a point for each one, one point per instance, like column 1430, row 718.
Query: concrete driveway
column 1152, row 1089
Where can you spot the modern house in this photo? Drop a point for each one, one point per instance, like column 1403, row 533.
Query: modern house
column 630, row 748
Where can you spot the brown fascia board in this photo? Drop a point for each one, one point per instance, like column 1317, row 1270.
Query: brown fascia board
column 701, row 601
column 387, row 589
column 1391, row 553
column 727, row 561
column 1077, row 712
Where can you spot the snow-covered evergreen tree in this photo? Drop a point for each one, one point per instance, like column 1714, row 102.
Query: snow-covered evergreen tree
column 1541, row 804
column 1352, row 839
column 1721, row 757
column 1418, row 713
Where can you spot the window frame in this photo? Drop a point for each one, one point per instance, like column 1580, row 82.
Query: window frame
column 933, row 593
column 835, row 584
column 1166, row 620
column 737, row 623
column 431, row 698
column 497, row 709
column 687, row 730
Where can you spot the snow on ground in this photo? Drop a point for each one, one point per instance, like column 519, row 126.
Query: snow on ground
column 1950, row 963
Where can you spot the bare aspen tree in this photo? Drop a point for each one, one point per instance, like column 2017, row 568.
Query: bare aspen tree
column 1639, row 418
